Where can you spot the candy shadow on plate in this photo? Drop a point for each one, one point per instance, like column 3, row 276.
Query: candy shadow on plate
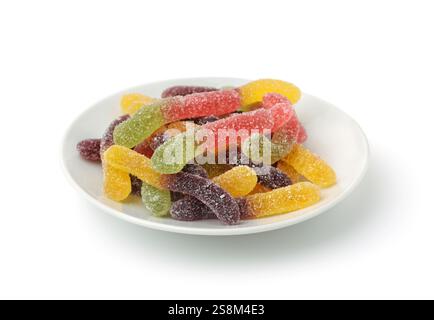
column 348, row 220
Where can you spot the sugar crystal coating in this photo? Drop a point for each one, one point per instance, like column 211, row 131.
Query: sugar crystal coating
column 116, row 183
column 190, row 209
column 155, row 200
column 272, row 178
column 222, row 204
column 238, row 181
column 293, row 130
column 140, row 126
column 134, row 163
column 282, row 200
column 89, row 149
column 254, row 91
column 196, row 170
column 193, row 169
column 311, row 166
column 107, row 139
column 133, row 102
column 290, row 172
column 260, row 119
column 185, row 90
column 152, row 116
column 200, row 105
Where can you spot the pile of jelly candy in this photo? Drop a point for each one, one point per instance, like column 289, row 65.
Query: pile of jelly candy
column 135, row 147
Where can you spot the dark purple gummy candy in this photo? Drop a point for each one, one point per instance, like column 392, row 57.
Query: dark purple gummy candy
column 107, row 138
column 196, row 170
column 89, row 149
column 185, row 90
column 221, row 203
column 271, row 177
column 193, row 169
column 190, row 209
column 268, row 176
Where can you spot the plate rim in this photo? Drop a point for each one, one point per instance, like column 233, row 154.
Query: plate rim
column 206, row 231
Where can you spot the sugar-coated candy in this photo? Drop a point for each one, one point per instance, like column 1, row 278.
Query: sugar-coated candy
column 89, row 149
column 172, row 156
column 196, row 169
column 261, row 119
column 155, row 200
column 277, row 201
column 259, row 149
column 116, row 183
column 107, row 140
column 141, row 125
column 311, row 166
column 166, row 132
column 200, row 105
column 176, row 147
column 132, row 162
column 293, row 130
column 254, row 91
column 132, row 102
column 147, row 146
column 271, row 177
column 221, row 203
column 190, row 209
column 290, row 172
column 238, row 181
column 148, row 119
column 185, row 90
column 193, row 169
column 256, row 205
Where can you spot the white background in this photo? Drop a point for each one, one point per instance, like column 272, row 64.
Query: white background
column 373, row 59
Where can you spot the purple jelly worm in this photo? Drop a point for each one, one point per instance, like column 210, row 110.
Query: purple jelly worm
column 222, row 204
column 89, row 149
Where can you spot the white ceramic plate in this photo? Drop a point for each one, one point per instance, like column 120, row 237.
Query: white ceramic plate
column 335, row 136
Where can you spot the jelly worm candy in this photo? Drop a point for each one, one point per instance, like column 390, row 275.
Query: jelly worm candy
column 116, row 184
column 89, row 149
column 133, row 102
column 151, row 117
column 220, row 202
column 281, row 200
column 311, row 166
column 155, row 200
